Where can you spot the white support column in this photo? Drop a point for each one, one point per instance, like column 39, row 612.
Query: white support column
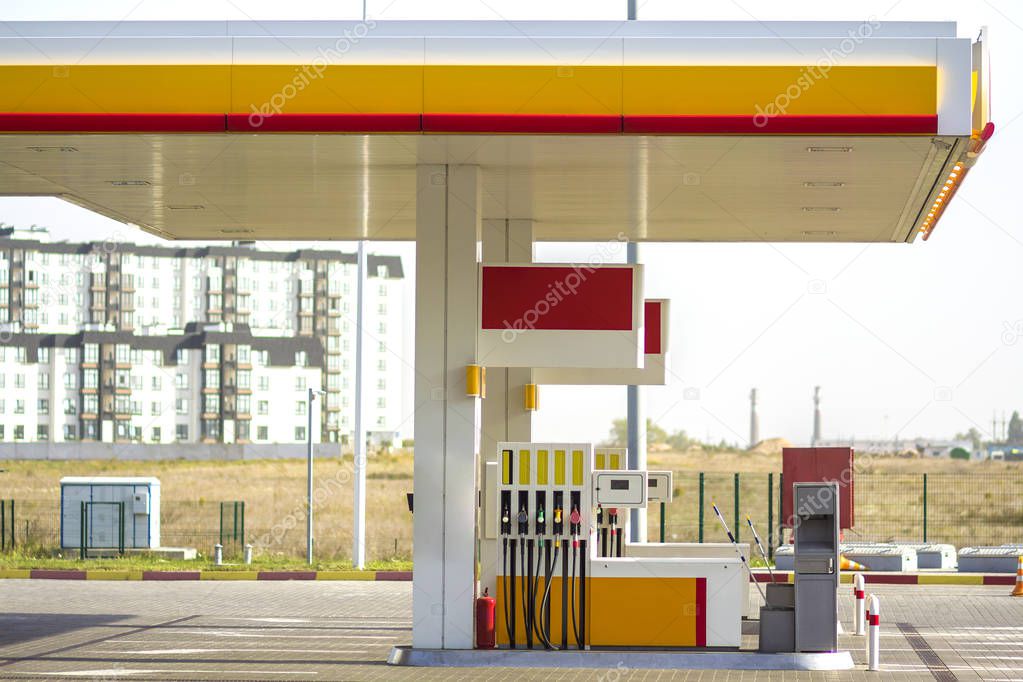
column 446, row 421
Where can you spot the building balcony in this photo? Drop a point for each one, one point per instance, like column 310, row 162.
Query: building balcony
column 90, row 415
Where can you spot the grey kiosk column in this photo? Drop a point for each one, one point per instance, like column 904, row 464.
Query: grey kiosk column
column 816, row 566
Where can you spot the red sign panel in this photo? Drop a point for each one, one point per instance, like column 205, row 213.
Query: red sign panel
column 819, row 465
column 557, row 298
column 652, row 327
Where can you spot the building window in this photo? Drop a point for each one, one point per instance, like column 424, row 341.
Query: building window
column 122, row 352
column 91, row 353
column 157, row 383
column 381, row 403
column 212, row 378
column 181, row 405
column 181, row 356
column 211, row 429
column 301, row 358
column 123, row 378
column 69, row 380
column 43, row 406
column 155, row 409
column 42, row 433
column 90, row 404
column 263, row 406
column 69, row 406
column 19, row 406
column 300, row 383
column 180, row 380
column 243, row 353
column 157, row 435
column 300, row 407
column 70, row 433
column 261, row 433
column 19, row 381
column 181, row 432
column 212, row 352
column 211, row 404
column 19, row 432
column 243, row 404
column 136, row 356
column 90, row 378
column 136, row 382
column 264, row 383
column 89, row 430
column 242, row 430
column 42, row 355
column 244, row 379
column 300, row 433
column 43, row 381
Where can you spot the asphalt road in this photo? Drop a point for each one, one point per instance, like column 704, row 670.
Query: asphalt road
column 344, row 631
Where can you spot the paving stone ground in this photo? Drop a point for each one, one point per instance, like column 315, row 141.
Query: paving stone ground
column 344, row 631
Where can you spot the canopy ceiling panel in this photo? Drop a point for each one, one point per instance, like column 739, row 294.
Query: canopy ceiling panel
column 660, row 131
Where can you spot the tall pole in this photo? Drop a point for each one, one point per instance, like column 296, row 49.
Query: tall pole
column 754, row 420
column 359, row 449
column 635, row 418
column 309, row 478
column 816, row 416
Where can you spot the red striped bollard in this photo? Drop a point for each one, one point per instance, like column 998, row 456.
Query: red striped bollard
column 874, row 640
column 860, row 614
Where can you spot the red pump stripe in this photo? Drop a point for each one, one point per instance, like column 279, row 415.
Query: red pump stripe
column 701, row 612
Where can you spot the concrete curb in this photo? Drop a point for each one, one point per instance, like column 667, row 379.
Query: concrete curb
column 117, row 574
column 878, row 578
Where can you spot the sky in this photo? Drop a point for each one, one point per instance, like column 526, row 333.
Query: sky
column 905, row 340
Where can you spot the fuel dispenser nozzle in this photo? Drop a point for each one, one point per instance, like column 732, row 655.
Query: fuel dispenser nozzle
column 523, row 520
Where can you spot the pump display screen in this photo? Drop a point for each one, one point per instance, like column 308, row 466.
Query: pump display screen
column 619, row 484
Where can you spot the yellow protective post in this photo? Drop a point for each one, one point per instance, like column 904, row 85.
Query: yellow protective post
column 532, row 398
column 475, row 381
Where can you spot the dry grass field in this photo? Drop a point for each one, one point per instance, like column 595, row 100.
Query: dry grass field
column 968, row 503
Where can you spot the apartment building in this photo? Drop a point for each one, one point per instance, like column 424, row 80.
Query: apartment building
column 123, row 342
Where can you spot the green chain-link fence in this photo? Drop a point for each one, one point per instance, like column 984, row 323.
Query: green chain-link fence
column 958, row 509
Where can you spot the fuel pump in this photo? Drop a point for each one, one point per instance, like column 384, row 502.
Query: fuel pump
column 542, row 505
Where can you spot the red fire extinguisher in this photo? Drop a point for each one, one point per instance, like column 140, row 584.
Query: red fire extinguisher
column 486, row 606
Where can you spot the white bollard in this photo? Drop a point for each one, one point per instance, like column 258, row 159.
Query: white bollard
column 860, row 613
column 874, row 640
column 248, row 554
column 218, row 554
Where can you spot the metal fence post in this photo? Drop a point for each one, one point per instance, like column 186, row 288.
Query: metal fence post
column 120, row 528
column 234, row 528
column 781, row 507
column 220, row 535
column 925, row 507
column 241, row 533
column 770, row 515
column 662, row 530
column 83, row 531
column 701, row 507
column 12, row 525
column 3, row 524
column 735, row 496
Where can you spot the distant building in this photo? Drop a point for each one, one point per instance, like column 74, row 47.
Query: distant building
column 924, row 447
column 122, row 342
column 1005, row 452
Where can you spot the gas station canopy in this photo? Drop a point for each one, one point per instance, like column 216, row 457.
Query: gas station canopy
column 647, row 131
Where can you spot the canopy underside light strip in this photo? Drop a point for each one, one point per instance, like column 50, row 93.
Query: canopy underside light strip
column 535, row 124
